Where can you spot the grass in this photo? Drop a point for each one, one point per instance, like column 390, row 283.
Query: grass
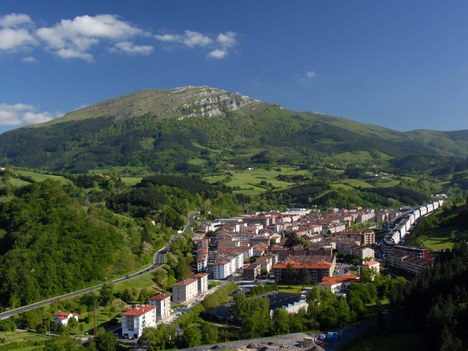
column 40, row 177
column 294, row 289
column 22, row 341
column 131, row 180
column 440, row 238
column 248, row 181
column 401, row 342
column 140, row 282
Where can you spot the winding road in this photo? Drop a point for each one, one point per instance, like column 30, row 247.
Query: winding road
column 158, row 260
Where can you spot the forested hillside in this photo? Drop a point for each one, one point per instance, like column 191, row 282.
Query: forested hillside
column 201, row 129
column 50, row 245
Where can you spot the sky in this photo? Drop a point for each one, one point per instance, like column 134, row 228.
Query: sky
column 399, row 64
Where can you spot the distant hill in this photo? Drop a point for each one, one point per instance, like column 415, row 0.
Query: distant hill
column 194, row 129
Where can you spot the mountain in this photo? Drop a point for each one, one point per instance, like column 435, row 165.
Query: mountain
column 202, row 128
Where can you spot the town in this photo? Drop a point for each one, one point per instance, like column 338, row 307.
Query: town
column 296, row 247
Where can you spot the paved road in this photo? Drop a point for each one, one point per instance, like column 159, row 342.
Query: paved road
column 158, row 260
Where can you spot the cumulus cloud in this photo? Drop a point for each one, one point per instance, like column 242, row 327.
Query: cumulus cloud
column 79, row 37
column 217, row 54
column 74, row 38
column 227, row 39
column 218, row 45
column 128, row 47
column 13, row 20
column 23, row 114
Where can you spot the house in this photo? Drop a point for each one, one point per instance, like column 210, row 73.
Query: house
column 135, row 320
column 185, row 290
column 374, row 267
column 63, row 318
column 338, row 285
column 163, row 305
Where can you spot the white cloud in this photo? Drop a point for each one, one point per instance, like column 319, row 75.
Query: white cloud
column 189, row 38
column 29, row 59
column 74, row 38
column 217, row 54
column 218, row 45
column 192, row 39
column 307, row 76
column 23, row 114
column 128, row 47
column 13, row 20
column 227, row 39
column 12, row 39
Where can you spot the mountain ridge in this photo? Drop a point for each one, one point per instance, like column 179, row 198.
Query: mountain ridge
column 203, row 128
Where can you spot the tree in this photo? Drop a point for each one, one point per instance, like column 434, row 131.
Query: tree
column 106, row 294
column 105, row 341
column 280, row 323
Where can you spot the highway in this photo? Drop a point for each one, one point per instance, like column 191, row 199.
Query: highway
column 158, row 260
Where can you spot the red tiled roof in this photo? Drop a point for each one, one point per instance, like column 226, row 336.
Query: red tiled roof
column 160, row 297
column 298, row 265
column 335, row 280
column 185, row 282
column 200, row 275
column 139, row 311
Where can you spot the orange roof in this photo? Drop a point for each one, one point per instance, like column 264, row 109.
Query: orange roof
column 336, row 280
column 139, row 311
column 370, row 263
column 160, row 297
column 298, row 265
column 200, row 275
column 185, row 282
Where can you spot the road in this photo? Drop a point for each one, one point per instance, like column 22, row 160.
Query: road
column 158, row 260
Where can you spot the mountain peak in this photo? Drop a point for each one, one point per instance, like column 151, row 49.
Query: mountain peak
column 180, row 103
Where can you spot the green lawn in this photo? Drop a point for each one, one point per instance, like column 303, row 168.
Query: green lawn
column 400, row 342
column 131, row 180
column 294, row 289
column 248, row 181
column 440, row 238
column 22, row 341
column 40, row 177
column 140, row 282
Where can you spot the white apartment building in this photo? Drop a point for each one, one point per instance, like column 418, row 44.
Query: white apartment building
column 163, row 305
column 185, row 290
column 202, row 282
column 135, row 320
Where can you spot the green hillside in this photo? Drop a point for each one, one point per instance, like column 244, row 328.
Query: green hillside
column 201, row 129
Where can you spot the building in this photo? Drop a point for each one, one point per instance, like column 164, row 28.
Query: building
column 252, row 271
column 338, row 285
column 221, row 269
column 135, row 320
column 315, row 270
column 185, row 290
column 202, row 279
column 163, row 305
column 63, row 318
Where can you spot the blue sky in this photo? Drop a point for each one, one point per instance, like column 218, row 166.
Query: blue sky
column 400, row 64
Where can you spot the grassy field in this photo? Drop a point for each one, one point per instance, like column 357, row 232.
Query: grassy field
column 22, row 341
column 248, row 181
column 439, row 239
column 140, row 282
column 40, row 177
column 400, row 342
column 131, row 180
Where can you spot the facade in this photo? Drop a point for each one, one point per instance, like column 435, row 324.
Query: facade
column 163, row 305
column 135, row 320
column 316, row 270
column 63, row 318
column 202, row 279
column 185, row 290
column 222, row 269
column 252, row 271
column 338, row 285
